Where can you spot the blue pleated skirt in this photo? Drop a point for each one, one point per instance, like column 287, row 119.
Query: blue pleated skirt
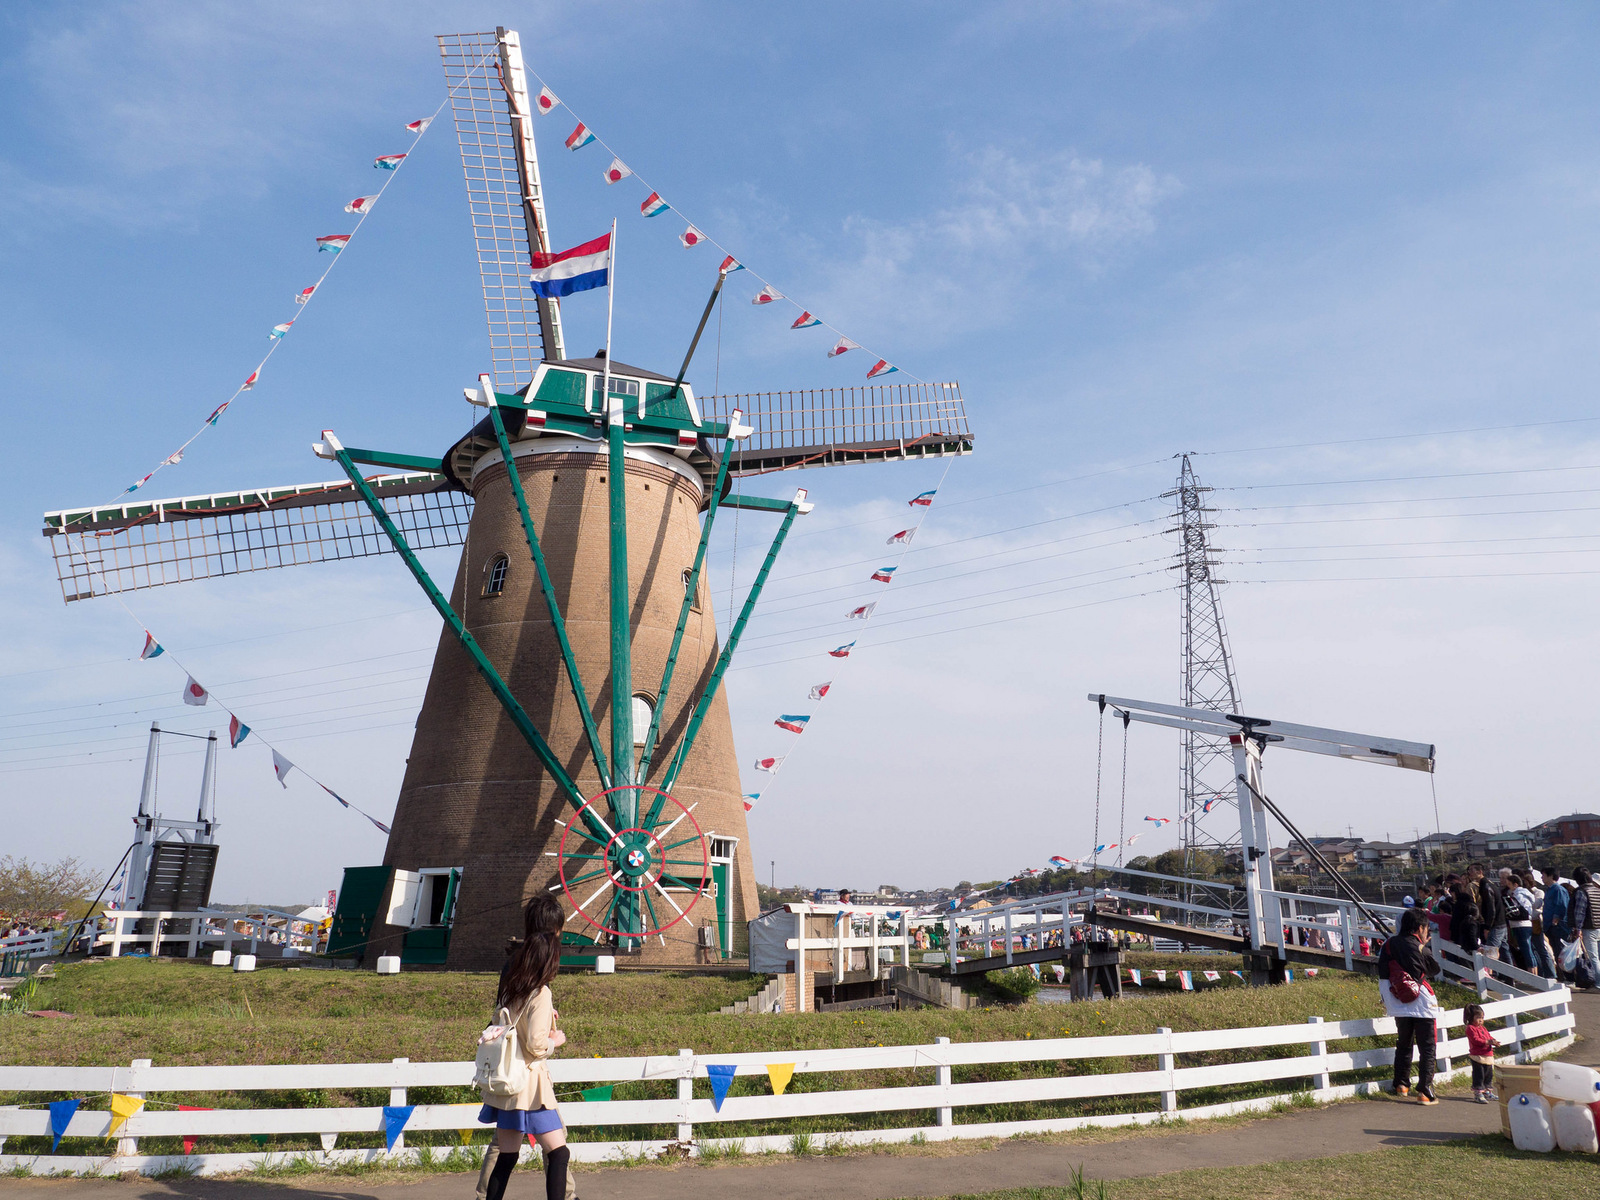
column 523, row 1120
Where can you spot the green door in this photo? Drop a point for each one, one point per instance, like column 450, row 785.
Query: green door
column 720, row 892
column 360, row 896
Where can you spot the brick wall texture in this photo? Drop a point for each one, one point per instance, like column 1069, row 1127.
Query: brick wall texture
column 474, row 794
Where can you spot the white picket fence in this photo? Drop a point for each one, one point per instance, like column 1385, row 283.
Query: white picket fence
column 1544, row 1016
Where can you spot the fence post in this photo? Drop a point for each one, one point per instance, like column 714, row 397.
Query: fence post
column 128, row 1145
column 1319, row 1050
column 799, row 962
column 1166, row 1063
column 397, row 1099
column 1441, row 1038
column 1344, row 936
column 685, row 1094
column 1008, row 937
column 1480, row 974
column 946, row 1117
column 1514, row 1021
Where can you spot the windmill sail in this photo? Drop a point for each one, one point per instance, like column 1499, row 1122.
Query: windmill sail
column 130, row 547
column 505, row 198
column 822, row 427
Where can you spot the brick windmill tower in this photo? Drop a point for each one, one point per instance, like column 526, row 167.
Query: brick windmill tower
column 573, row 736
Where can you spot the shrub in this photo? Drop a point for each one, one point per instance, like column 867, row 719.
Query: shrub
column 1017, row 985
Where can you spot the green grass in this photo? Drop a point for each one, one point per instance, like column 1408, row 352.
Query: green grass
column 1475, row 1167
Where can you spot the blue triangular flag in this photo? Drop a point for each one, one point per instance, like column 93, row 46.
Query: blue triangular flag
column 60, row 1117
column 395, row 1117
column 721, row 1076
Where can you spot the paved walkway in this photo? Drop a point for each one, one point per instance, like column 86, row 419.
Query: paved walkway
column 1348, row 1128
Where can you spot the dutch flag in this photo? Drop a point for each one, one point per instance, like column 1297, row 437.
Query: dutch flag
column 576, row 270
column 805, row 321
column 1138, row 978
column 1057, row 861
column 841, row 651
column 882, row 367
column 152, row 648
column 223, row 407
column 793, row 722
column 579, row 137
column 654, row 205
column 730, row 265
column 1186, row 980
column 923, row 499
column 333, row 243
column 883, row 574
column 750, row 799
column 388, row 162
column 1159, row 820
column 237, row 731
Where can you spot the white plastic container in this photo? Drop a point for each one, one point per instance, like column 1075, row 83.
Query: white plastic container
column 244, row 962
column 1574, row 1127
column 1569, row 1081
column 221, row 958
column 1530, row 1123
column 605, row 964
column 389, row 964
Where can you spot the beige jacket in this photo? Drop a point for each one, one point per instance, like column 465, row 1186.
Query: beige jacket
column 533, row 1037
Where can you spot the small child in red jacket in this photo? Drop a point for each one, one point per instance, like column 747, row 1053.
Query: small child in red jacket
column 1480, row 1051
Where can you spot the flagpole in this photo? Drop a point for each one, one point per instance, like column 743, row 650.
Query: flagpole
column 611, row 290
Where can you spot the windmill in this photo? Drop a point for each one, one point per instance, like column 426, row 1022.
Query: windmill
column 573, row 735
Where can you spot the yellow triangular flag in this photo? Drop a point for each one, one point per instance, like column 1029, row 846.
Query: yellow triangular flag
column 122, row 1107
column 466, row 1136
column 780, row 1074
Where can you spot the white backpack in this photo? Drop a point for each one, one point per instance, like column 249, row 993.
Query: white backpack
column 500, row 1069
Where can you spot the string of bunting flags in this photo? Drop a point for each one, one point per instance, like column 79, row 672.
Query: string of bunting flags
column 798, row 723
column 197, row 695
column 655, row 205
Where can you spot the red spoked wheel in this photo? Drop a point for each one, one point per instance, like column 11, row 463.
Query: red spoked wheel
column 622, row 881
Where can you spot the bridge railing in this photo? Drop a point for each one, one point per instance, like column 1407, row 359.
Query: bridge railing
column 932, row 1101
column 199, row 932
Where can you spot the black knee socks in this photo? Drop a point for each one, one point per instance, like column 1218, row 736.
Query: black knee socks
column 501, row 1175
column 555, row 1173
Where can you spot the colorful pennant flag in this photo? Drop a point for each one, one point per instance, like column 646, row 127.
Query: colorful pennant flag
column 388, row 162
column 1137, row 976
column 419, row 126
column 721, row 1077
column 818, row 691
column 1162, row 976
column 579, row 137
column 805, row 321
column 1057, row 861
column 617, row 171
column 923, row 499
column 152, row 648
column 335, row 795
column 395, row 1117
column 1212, row 976
column 780, row 1074
column 654, row 205
column 237, row 731
column 882, row 367
column 188, row 1139
column 1131, row 839
column 333, row 242
column 767, row 295
column 691, row 237
column 730, row 265
column 576, row 270
column 843, row 346
column 173, row 459
column 1159, row 821
column 884, row 574
column 223, row 407
column 137, row 484
column 122, row 1107
column 281, row 767
column 1186, row 981
column 1288, row 976
column 793, row 722
column 1240, row 974
column 750, row 799
column 61, row 1112
column 250, row 381
column 905, row 535
column 194, row 694
column 860, row 612
column 597, row 1095
column 841, row 651
column 382, row 828
column 769, row 765
column 304, row 294
column 1312, row 970
column 279, row 330
column 361, row 204
column 546, row 100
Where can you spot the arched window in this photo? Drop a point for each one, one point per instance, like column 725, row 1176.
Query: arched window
column 643, row 710
column 497, row 576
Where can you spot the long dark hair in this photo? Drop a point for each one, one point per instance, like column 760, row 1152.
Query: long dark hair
column 536, row 961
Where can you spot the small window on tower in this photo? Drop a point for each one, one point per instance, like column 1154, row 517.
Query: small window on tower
column 643, row 709
column 694, row 604
column 496, row 582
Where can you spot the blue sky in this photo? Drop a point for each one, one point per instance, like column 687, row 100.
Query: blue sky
column 1128, row 230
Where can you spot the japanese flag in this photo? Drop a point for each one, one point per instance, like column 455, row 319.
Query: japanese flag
column 691, row 237
column 820, row 690
column 842, row 346
column 546, row 101
column 769, row 765
column 617, row 170
column 767, row 295
column 281, row 767
column 194, row 694
column 862, row 612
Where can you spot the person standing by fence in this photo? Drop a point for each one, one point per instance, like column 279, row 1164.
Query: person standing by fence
column 1519, row 919
column 1404, row 968
column 1585, row 922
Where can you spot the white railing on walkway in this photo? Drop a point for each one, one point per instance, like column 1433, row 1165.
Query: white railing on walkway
column 203, row 931
column 32, row 945
column 1310, row 1067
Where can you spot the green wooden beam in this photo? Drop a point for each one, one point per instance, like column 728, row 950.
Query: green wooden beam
column 573, row 677
column 497, row 685
column 755, row 503
column 404, row 462
column 625, row 909
column 794, row 509
column 688, row 603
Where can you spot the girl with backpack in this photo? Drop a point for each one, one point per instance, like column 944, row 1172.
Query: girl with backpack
column 518, row 1097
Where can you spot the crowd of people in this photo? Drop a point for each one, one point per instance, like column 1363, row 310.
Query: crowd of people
column 1536, row 920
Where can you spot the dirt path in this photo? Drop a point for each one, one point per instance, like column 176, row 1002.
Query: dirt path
column 1316, row 1133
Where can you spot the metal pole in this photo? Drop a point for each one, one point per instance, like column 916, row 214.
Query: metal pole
column 143, row 824
column 208, row 785
column 626, row 802
column 722, row 277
